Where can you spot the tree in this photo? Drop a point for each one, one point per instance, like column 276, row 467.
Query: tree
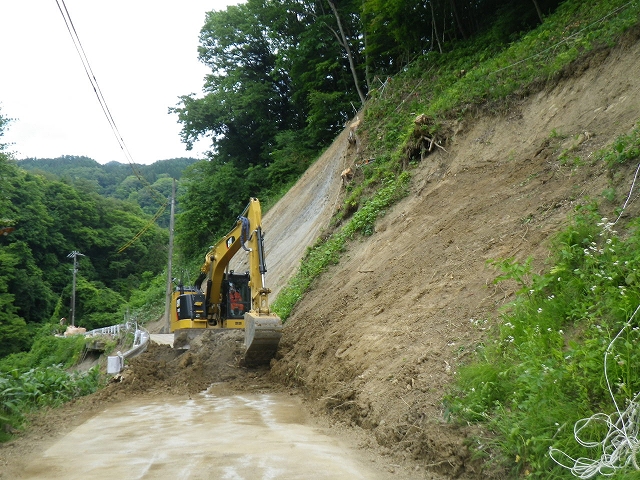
column 14, row 336
column 344, row 42
column 4, row 124
column 321, row 51
column 245, row 100
column 270, row 63
column 226, row 192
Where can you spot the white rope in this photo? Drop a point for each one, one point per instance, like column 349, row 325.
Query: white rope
column 621, row 443
column 635, row 177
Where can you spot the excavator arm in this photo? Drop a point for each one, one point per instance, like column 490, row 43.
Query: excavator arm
column 247, row 234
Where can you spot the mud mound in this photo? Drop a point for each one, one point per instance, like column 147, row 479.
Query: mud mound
column 214, row 357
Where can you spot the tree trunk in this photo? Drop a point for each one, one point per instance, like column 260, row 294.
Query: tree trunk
column 367, row 69
column 434, row 29
column 457, row 18
column 345, row 44
column 535, row 2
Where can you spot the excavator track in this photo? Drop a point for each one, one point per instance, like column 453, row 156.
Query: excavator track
column 261, row 337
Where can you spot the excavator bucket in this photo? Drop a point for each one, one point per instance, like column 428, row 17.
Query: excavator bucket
column 261, row 337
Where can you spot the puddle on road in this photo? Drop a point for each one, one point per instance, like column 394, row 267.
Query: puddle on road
column 243, row 437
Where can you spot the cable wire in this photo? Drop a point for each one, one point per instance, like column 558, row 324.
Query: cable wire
column 633, row 184
column 145, row 228
column 619, row 446
column 90, row 75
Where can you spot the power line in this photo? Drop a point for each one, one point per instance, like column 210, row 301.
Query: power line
column 112, row 123
column 145, row 228
column 91, row 76
column 98, row 92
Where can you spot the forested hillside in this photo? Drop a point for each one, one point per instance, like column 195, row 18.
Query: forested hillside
column 140, row 184
column 286, row 76
column 44, row 218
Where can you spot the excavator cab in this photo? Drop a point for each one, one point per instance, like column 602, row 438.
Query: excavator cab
column 236, row 295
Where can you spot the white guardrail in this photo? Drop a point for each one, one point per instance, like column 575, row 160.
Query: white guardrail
column 115, row 363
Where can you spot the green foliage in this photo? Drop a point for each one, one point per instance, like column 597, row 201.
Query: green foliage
column 244, row 104
column 278, row 92
column 107, row 180
column 215, row 195
column 512, row 270
column 96, row 305
column 22, row 391
column 47, row 350
column 147, row 302
column 626, row 148
column 547, row 368
column 51, row 218
column 38, row 378
column 13, row 329
column 147, row 186
column 324, row 106
column 4, row 124
column 289, row 158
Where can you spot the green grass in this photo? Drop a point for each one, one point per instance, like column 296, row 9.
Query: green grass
column 544, row 367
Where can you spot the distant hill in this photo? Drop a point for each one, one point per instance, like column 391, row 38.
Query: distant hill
column 106, row 177
column 141, row 184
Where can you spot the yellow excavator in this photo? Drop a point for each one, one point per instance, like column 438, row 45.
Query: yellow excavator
column 224, row 299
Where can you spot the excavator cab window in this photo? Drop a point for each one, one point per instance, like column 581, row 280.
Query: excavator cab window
column 236, row 295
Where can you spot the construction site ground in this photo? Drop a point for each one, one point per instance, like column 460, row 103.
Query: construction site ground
column 369, row 353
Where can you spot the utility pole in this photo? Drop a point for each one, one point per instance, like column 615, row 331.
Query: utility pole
column 75, row 256
column 167, row 303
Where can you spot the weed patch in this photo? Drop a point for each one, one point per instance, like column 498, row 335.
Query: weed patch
column 547, row 368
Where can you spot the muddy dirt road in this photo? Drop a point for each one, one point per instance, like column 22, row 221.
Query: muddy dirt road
column 252, row 436
column 192, row 415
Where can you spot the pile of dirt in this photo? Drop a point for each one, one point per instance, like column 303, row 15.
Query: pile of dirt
column 213, row 357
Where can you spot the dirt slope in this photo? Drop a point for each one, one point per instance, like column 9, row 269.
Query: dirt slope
column 378, row 340
column 297, row 219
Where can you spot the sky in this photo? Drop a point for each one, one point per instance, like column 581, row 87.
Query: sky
column 143, row 54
